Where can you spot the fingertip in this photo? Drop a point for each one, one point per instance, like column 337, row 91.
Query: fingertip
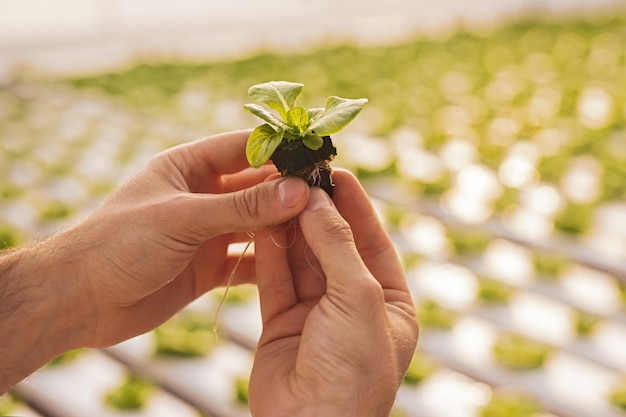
column 292, row 192
column 318, row 199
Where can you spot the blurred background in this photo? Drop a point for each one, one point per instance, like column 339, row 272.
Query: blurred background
column 493, row 146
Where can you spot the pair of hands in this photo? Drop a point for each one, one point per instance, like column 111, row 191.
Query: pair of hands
column 339, row 327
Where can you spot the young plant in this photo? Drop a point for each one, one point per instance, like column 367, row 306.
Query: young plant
column 516, row 352
column 297, row 140
column 131, row 395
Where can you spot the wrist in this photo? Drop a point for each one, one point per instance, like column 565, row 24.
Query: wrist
column 43, row 307
column 374, row 405
column 344, row 411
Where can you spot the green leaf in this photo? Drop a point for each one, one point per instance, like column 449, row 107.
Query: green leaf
column 315, row 113
column 313, row 141
column 298, row 117
column 261, row 144
column 278, row 95
column 265, row 115
column 338, row 113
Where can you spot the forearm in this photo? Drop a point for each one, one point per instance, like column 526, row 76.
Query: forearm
column 43, row 309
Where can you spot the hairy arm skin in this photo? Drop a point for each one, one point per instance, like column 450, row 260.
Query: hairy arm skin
column 43, row 306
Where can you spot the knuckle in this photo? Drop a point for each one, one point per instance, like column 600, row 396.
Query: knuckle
column 337, row 229
column 247, row 204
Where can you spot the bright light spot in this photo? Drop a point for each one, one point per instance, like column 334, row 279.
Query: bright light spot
column 425, row 235
column 551, row 141
column 406, row 138
column 454, row 395
column 457, row 153
column 509, row 262
column 194, row 102
column 451, row 285
column 420, row 165
column 591, row 289
column 473, row 342
column 581, row 182
column 517, row 172
column 608, row 246
column 503, row 131
column 542, row 318
column 544, row 105
column 453, row 120
column 479, row 181
column 467, row 206
column 524, row 150
column 544, row 199
column 608, row 235
column 20, row 214
column 23, row 173
column 579, row 384
column 595, row 106
column 527, row 222
column 610, row 339
column 610, row 220
column 454, row 84
column 506, row 85
column 69, row 190
column 370, row 153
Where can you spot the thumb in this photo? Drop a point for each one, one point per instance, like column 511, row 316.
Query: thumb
column 330, row 238
column 258, row 207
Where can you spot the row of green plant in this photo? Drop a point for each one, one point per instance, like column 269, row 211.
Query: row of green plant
column 504, row 75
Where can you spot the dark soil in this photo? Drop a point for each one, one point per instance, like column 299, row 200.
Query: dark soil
column 293, row 158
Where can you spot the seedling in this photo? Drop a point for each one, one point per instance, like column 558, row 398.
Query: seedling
column 297, row 140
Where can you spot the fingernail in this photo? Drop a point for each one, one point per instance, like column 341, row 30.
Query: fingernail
column 291, row 191
column 318, row 199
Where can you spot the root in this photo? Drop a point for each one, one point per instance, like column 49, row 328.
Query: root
column 292, row 225
column 229, row 283
column 231, row 278
column 314, row 176
column 308, row 261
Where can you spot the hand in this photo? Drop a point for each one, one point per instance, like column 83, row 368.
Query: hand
column 153, row 246
column 161, row 240
column 339, row 326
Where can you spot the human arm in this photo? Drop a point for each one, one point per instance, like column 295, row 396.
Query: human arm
column 339, row 325
column 158, row 242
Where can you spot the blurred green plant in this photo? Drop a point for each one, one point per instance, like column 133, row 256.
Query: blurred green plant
column 239, row 294
column 398, row 412
column 585, row 323
column 520, row 353
column 575, row 219
column 8, row 403
column 547, row 265
column 9, row 237
column 431, row 315
column 56, row 211
column 420, row 368
column 525, row 81
column 617, row 396
column 509, row 404
column 491, row 291
column 469, row 241
column 241, row 389
column 131, row 395
column 185, row 335
column 66, row 358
